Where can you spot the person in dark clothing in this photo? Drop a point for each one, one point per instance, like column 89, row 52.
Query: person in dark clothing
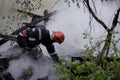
column 32, row 37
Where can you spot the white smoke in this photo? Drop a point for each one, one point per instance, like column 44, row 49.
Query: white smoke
column 74, row 21
column 40, row 68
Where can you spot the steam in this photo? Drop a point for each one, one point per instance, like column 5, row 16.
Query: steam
column 74, row 22
column 39, row 68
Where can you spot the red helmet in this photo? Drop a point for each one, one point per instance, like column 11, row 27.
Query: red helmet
column 58, row 36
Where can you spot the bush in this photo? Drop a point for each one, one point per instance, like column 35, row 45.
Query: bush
column 89, row 71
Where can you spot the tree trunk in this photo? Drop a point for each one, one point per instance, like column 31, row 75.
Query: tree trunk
column 106, row 47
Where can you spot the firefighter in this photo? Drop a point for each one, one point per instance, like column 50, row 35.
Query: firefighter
column 32, row 37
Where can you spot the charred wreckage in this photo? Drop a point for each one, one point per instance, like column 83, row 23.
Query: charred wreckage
column 4, row 60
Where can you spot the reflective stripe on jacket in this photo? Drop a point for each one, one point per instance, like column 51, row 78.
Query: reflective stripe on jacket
column 32, row 37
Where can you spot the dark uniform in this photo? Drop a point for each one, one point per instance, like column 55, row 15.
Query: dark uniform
column 32, row 37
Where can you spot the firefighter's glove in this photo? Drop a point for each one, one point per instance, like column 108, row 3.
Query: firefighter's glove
column 55, row 58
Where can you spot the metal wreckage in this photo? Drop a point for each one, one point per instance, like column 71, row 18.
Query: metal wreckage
column 4, row 59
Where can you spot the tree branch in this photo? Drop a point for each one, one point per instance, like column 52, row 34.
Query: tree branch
column 115, row 20
column 96, row 18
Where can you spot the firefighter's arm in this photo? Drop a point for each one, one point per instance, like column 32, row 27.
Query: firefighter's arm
column 53, row 54
column 55, row 57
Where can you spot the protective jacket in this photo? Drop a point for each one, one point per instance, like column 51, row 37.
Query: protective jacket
column 31, row 37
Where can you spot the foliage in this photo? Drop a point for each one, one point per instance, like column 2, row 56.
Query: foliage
column 15, row 20
column 101, row 67
column 109, row 69
column 88, row 70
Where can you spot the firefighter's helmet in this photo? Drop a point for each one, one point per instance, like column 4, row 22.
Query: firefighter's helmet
column 58, row 36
